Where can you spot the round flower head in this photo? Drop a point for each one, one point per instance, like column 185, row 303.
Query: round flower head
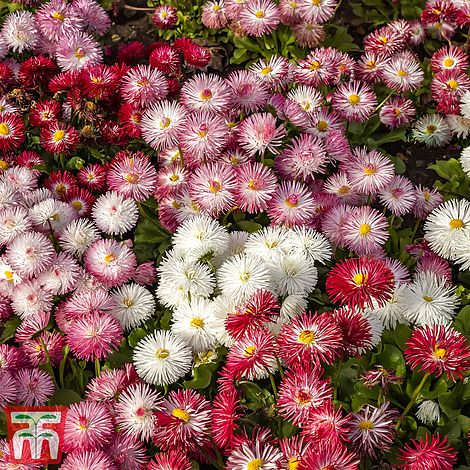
column 162, row 122
column 87, row 460
column 8, row 392
column 275, row 71
column 426, row 201
column 135, row 411
column 242, row 275
column 13, row 222
column 428, row 412
column 249, row 93
column 128, row 452
column 357, row 282
column 268, row 243
column 183, row 422
column 34, row 387
column 291, row 205
column 259, row 17
column 162, row 358
column 429, row 300
column 206, row 92
column 431, row 454
column 369, row 171
column 78, row 51
column 94, row 16
column 94, row 336
column 92, row 176
column 254, row 455
column 111, row 262
column 432, row 130
column 173, row 459
column 212, row 187
column 113, row 214
column 213, row 14
column 459, row 125
column 307, row 34
column 255, row 187
column 309, row 338
column 365, row 231
column 225, row 413
column 144, row 85
column 19, row 31
column 438, row 350
column 301, row 390
column 316, row 12
column 397, row 112
column 62, row 276
column 134, row 305
column 88, row 426
column 78, row 236
column 258, row 133
column 309, row 243
column 59, row 138
column 56, row 19
column 12, row 131
column 354, row 101
column 398, row 196
column 372, row 430
column 165, row 17
column 304, row 157
column 317, row 68
column 403, row 73
column 52, row 214
column 252, row 357
column 132, row 175
column 202, row 137
column 329, row 456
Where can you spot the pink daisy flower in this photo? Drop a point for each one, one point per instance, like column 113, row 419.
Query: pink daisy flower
column 398, row 196
column 35, row 347
column 339, row 185
column 249, row 93
column 309, row 338
column 212, row 187
column 307, row 34
column 96, row 460
column 8, row 392
column 325, row 455
column 111, row 383
column 431, row 454
column 34, row 387
column 449, row 58
column 144, row 85
column 258, row 134
column 127, row 452
column 403, row 72
column 323, row 122
column 28, row 298
column 94, row 16
column 385, row 41
column 370, row 67
column 354, row 101
column 111, row 262
column 59, row 138
column 213, row 14
column 253, row 454
column 88, row 426
column 259, row 17
column 316, row 69
column 78, row 51
column 165, row 17
column 184, row 422
column 398, row 111
column 426, row 201
column 318, row 11
column 170, row 180
column 255, row 187
column 291, row 205
column 173, row 459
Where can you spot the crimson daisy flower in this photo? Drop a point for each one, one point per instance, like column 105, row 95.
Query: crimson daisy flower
column 45, row 113
column 358, row 282
column 59, row 138
column 310, row 338
column 438, row 350
column 12, row 132
column 261, row 308
column 173, row 459
column 326, row 455
column 428, row 454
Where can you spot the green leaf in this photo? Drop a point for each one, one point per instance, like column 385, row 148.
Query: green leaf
column 462, row 321
column 65, row 397
column 147, row 232
column 118, row 358
column 202, row 378
column 449, row 405
column 401, row 335
column 249, row 226
column 439, row 388
column 392, row 358
column 464, row 422
column 135, row 336
column 75, row 163
column 10, row 328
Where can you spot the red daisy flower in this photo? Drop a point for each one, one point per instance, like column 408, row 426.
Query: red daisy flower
column 325, row 455
column 63, row 81
column 167, row 59
column 438, row 350
column 428, row 454
column 45, row 113
column 37, row 71
column 130, row 117
column 59, row 138
column 310, row 338
column 131, row 53
column 261, row 308
column 81, row 200
column 358, row 282
column 173, row 459
column 99, row 82
column 12, row 132
column 92, row 176
column 61, row 183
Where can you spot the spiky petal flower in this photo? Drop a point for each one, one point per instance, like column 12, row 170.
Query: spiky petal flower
column 34, row 387
column 78, row 51
column 355, row 101
column 259, row 17
column 254, row 455
column 12, row 131
column 431, row 454
column 438, row 350
column 325, row 455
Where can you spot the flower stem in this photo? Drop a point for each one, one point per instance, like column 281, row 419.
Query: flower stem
column 281, row 370
column 384, row 101
column 48, row 364
column 416, row 393
column 273, row 385
column 97, row 367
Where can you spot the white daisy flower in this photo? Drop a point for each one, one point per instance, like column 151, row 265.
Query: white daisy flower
column 29, row 299
column 9, row 195
column 309, row 242
column 161, row 358
column 52, row 213
column 32, row 198
column 114, row 214
column 462, row 254
column 432, row 130
column 134, row 305
column 429, row 300
column 195, row 323
column 391, row 312
column 293, row 274
column 200, row 236
column 465, row 160
column 78, row 236
column 13, row 222
column 236, row 245
column 21, row 178
column 465, row 105
column 8, row 278
column 135, row 411
column 428, row 412
column 459, row 125
column 222, row 306
column 447, row 227
column 268, row 243
column 242, row 275
column 19, row 31
column 376, row 330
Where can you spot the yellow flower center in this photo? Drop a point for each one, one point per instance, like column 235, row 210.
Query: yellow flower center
column 249, row 351
column 79, row 53
column 293, row 4
column 77, row 205
column 360, row 279
column 364, row 229
column 293, row 463
column 4, row 165
column 354, row 100
column 253, row 185
column 431, row 129
column 371, row 64
column 4, row 129
column 448, row 62
column 439, row 353
column 383, row 39
column 174, row 178
column 426, row 298
column 197, row 322
column 109, row 258
column 244, row 277
column 456, row 224
column 216, row 8
column 266, row 70
column 143, row 83
column 181, row 415
column 206, row 94
column 453, row 84
column 343, row 190
column 402, row 73
column 256, row 464
column 259, row 14
column 165, row 123
column 162, row 353
column 314, row 65
column 322, row 126
column 316, row 2
column 214, row 186
column 307, row 337
column 366, row 425
column 58, row 135
column 58, row 16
